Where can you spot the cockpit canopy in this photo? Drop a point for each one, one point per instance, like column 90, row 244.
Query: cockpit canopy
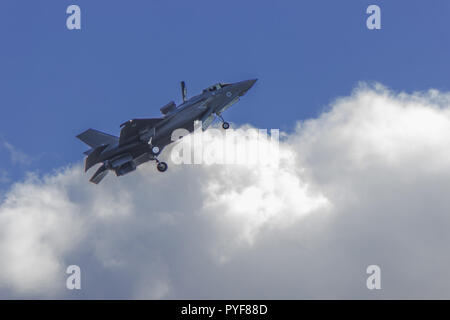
column 217, row 87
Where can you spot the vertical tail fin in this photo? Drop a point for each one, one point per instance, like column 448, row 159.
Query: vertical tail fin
column 92, row 158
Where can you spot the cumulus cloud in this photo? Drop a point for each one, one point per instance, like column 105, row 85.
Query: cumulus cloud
column 364, row 183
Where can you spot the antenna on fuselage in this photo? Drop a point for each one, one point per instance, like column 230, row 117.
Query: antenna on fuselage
column 183, row 91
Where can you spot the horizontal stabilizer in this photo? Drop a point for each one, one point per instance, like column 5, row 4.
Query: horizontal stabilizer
column 99, row 175
column 95, row 138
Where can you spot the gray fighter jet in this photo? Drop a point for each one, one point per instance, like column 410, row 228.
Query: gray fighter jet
column 142, row 140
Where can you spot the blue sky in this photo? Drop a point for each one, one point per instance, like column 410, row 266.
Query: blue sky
column 129, row 57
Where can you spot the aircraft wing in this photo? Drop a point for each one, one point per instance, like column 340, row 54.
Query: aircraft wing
column 138, row 129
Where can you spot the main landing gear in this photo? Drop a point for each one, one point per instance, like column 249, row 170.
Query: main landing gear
column 160, row 165
column 225, row 124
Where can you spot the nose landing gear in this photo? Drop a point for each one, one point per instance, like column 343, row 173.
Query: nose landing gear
column 225, row 124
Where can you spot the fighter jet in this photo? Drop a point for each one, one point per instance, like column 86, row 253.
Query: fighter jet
column 143, row 140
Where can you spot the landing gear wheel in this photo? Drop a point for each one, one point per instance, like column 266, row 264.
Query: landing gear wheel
column 161, row 166
column 155, row 150
column 225, row 125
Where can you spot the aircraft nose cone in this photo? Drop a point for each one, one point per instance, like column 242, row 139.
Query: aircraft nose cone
column 246, row 85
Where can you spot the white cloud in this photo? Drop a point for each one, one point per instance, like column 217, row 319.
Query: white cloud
column 365, row 183
column 17, row 156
